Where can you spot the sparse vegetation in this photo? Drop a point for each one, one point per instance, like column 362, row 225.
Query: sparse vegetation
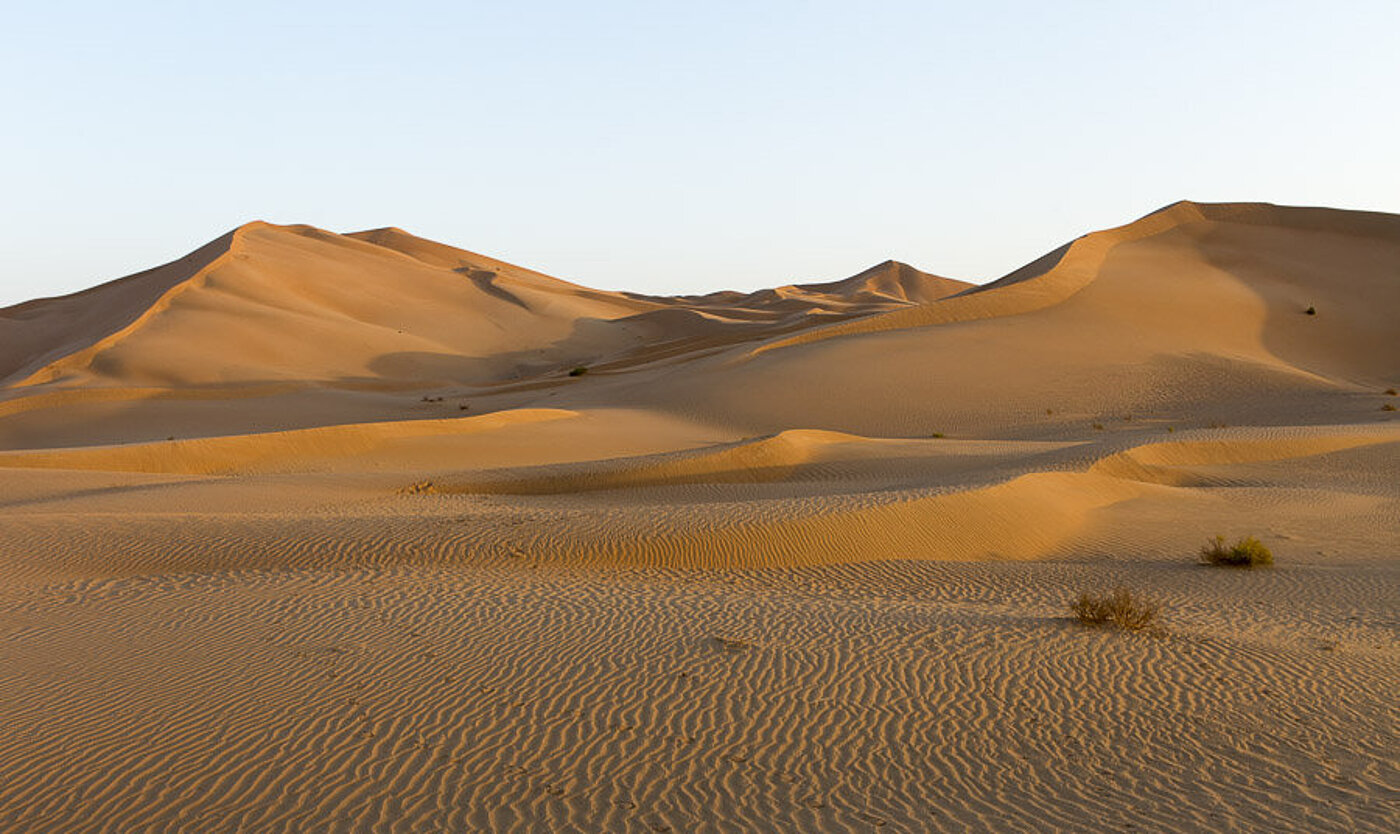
column 1120, row 608
column 1098, row 427
column 936, row 434
column 1312, row 311
column 578, row 370
column 729, row 645
column 1248, row 552
column 1390, row 392
column 1388, row 407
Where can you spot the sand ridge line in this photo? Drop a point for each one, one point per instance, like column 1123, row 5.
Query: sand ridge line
column 212, row 455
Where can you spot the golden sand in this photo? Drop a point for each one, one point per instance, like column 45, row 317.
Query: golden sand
column 318, row 532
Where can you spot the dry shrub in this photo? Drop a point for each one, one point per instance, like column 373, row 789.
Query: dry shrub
column 1248, row 552
column 729, row 645
column 1120, row 608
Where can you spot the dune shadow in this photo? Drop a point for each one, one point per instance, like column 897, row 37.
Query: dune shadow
column 485, row 281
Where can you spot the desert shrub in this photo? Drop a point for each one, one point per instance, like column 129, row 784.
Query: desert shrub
column 1390, row 392
column 1387, row 407
column 578, row 371
column 1120, row 608
column 729, row 645
column 1312, row 311
column 1248, row 552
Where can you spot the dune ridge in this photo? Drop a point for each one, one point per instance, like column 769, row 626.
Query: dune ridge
column 52, row 324
column 508, row 295
column 1061, row 273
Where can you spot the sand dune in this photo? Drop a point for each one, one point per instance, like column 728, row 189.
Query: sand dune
column 279, row 303
column 311, row 531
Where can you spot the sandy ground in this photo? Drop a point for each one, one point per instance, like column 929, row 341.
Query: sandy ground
column 315, row 532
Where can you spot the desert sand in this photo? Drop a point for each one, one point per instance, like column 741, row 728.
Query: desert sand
column 320, row 532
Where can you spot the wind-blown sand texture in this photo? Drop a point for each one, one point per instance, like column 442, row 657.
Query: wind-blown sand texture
column 318, row 532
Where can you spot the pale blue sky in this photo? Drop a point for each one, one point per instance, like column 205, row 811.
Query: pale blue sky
column 669, row 147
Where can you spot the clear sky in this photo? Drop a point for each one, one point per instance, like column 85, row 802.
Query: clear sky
column 676, row 147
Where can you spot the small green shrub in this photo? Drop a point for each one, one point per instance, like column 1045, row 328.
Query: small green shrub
column 1120, row 608
column 1390, row 392
column 1098, row 427
column 578, row 371
column 1248, row 552
column 1387, row 407
column 1312, row 311
column 936, row 434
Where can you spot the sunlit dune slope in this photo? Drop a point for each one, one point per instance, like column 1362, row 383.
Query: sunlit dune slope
column 296, row 303
column 276, row 303
column 1194, row 315
column 44, row 330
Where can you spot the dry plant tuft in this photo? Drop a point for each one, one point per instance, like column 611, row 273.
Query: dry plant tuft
column 1248, row 552
column 729, row 645
column 1120, row 608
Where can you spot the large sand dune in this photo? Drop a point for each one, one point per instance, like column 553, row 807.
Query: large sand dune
column 309, row 531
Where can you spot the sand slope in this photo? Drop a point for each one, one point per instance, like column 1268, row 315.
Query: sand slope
column 309, row 531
